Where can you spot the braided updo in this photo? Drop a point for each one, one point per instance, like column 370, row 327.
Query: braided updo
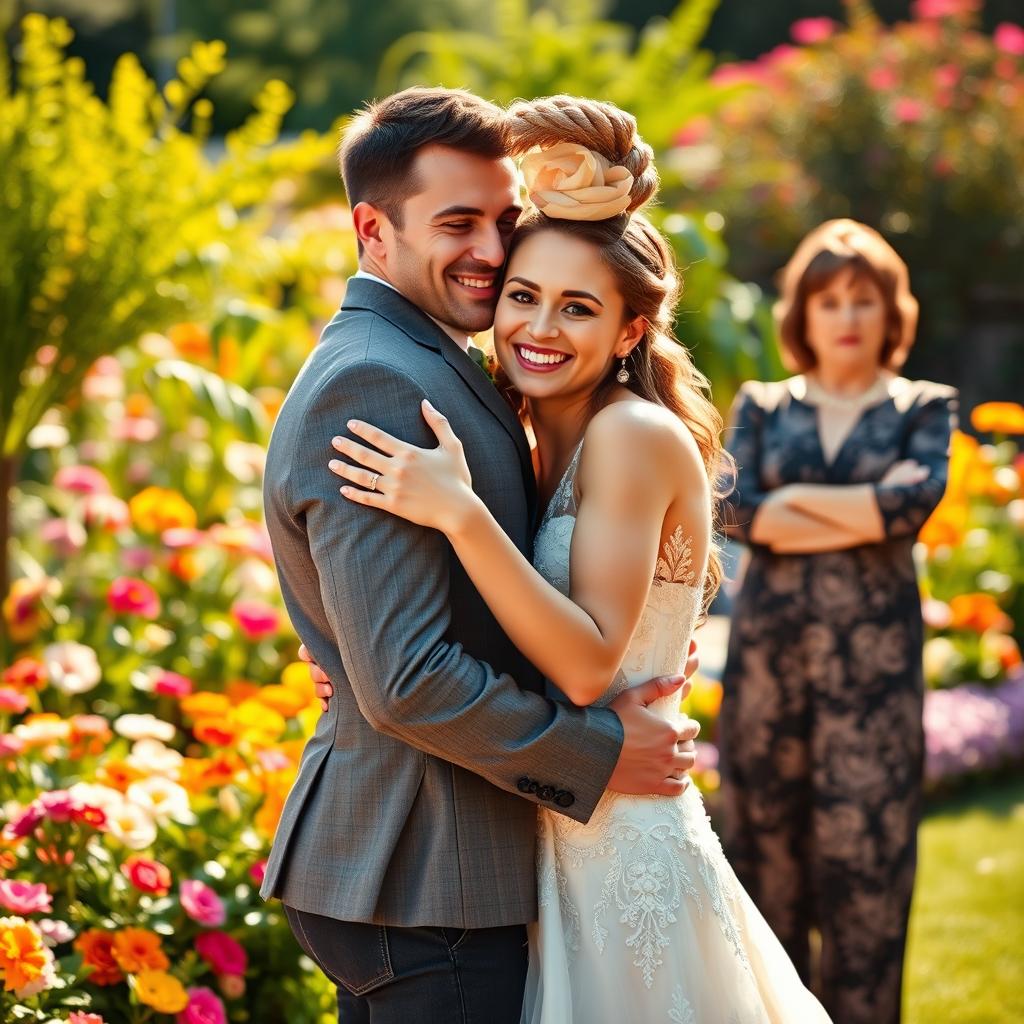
column 643, row 263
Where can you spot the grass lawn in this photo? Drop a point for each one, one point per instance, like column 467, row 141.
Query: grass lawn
column 966, row 955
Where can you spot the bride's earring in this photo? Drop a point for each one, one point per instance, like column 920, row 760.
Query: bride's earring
column 623, row 375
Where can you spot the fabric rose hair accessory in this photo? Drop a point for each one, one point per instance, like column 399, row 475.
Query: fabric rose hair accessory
column 571, row 182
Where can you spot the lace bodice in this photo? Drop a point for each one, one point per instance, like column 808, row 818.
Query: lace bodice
column 662, row 637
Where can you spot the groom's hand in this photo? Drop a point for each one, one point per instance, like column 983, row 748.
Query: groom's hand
column 321, row 683
column 325, row 691
column 656, row 755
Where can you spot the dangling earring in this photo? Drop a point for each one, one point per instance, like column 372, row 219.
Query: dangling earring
column 623, row 375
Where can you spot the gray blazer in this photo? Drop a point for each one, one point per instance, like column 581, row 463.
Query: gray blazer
column 415, row 799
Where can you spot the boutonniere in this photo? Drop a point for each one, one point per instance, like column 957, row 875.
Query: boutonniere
column 486, row 362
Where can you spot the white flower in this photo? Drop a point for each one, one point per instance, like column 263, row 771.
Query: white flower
column 132, row 825
column 144, row 727
column 162, row 799
column 72, row 668
column 92, row 794
column 151, row 757
column 245, row 461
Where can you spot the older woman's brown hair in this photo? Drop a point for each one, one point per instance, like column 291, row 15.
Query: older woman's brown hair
column 828, row 250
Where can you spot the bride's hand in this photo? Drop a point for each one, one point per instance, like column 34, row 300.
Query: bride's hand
column 431, row 487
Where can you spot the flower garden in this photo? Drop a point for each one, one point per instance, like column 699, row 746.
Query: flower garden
column 152, row 710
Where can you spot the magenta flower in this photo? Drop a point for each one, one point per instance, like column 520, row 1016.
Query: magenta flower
column 67, row 536
column 222, row 953
column 258, row 871
column 25, row 898
column 58, row 804
column 883, row 79
column 908, row 111
column 257, row 619
column 808, row 31
column 170, row 684
column 81, row 480
column 1009, row 38
column 202, row 904
column 129, row 595
column 933, row 9
column 203, row 1008
column 23, row 823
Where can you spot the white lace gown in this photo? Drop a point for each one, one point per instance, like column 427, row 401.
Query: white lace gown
column 641, row 919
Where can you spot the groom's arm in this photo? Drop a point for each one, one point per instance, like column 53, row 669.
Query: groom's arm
column 384, row 587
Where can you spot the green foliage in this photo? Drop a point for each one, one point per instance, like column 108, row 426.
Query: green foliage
column 112, row 219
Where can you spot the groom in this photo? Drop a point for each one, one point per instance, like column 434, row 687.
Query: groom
column 405, row 852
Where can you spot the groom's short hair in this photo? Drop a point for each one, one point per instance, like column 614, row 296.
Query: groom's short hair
column 381, row 142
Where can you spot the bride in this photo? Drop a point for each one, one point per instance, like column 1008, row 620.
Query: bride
column 641, row 918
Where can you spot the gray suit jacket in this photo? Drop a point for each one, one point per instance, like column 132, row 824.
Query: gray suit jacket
column 415, row 799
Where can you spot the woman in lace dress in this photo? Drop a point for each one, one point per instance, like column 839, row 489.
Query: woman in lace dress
column 641, row 918
column 821, row 734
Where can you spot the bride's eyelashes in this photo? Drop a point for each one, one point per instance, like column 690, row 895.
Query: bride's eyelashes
column 522, row 298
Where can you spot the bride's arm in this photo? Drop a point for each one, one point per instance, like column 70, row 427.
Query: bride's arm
column 631, row 468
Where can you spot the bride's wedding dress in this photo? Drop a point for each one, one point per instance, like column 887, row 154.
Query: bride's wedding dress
column 641, row 919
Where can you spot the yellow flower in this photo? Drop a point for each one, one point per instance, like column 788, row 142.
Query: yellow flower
column 296, row 677
column 157, row 509
column 257, row 722
column 282, row 700
column 998, row 418
column 23, row 607
column 205, row 704
column 162, row 991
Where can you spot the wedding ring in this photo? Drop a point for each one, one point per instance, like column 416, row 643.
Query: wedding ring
column 373, row 481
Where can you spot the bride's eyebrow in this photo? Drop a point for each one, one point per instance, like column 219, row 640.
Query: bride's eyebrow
column 523, row 281
column 565, row 295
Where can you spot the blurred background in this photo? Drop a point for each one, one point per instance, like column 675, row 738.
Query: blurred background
column 173, row 236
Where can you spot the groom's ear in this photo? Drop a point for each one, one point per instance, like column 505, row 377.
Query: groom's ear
column 373, row 230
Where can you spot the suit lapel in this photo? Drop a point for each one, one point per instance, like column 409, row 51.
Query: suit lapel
column 362, row 293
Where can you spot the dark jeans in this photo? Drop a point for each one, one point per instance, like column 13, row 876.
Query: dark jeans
column 388, row 975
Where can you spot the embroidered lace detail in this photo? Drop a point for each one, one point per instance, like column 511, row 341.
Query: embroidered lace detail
column 676, row 565
column 682, row 1011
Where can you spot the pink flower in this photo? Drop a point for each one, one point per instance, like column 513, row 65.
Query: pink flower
column 883, row 79
column 808, row 31
column 12, row 700
column 10, row 745
column 222, row 953
column 943, row 8
column 737, row 74
column 182, row 537
column 135, row 428
column 258, row 871
column 203, row 1008
column 136, row 559
column 55, row 933
column 170, row 684
column 68, row 536
column 908, row 111
column 695, row 130
column 81, row 480
column 58, row 804
column 947, row 76
column 232, row 986
column 25, row 897
column 1009, row 38
column 129, row 595
column 80, row 1017
column 23, row 823
column 202, row 904
column 256, row 618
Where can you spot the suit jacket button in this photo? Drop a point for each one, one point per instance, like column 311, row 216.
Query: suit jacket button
column 563, row 798
column 523, row 785
column 546, row 792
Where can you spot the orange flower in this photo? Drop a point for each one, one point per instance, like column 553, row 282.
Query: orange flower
column 97, row 949
column 89, row 735
column 963, row 454
column 23, row 957
column 269, row 814
column 136, row 949
column 118, row 775
column 205, row 704
column 157, row 509
column 998, row 418
column 239, row 690
column 946, row 526
column 191, row 340
column 217, row 732
column 978, row 612
column 199, row 774
column 187, row 565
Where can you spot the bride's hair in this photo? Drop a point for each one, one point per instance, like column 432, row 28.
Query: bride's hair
column 641, row 258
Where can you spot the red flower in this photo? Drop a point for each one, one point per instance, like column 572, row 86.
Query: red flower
column 26, row 674
column 908, row 111
column 131, row 596
column 147, row 875
column 808, row 31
